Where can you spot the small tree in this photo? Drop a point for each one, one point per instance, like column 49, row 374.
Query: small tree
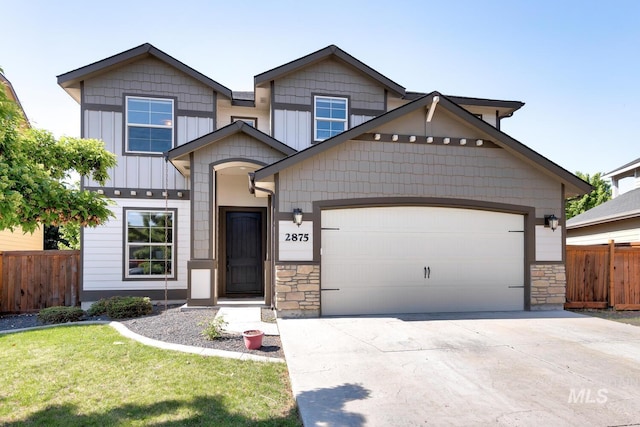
column 600, row 194
column 33, row 168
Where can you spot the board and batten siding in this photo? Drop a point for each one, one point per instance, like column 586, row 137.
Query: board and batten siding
column 103, row 249
column 293, row 128
column 358, row 119
column 139, row 171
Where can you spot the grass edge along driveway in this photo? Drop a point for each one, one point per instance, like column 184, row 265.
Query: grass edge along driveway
column 91, row 375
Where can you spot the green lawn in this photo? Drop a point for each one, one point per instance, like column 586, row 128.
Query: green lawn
column 92, row 376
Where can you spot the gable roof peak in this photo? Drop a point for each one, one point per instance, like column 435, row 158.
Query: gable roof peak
column 224, row 132
column 574, row 185
column 327, row 52
column 70, row 81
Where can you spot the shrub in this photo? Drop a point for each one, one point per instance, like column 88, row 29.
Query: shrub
column 99, row 307
column 60, row 314
column 121, row 307
column 126, row 307
column 213, row 328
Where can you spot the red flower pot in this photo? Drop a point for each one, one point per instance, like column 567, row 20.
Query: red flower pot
column 253, row 339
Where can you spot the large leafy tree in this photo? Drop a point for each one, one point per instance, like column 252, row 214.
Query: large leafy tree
column 33, row 169
column 600, row 194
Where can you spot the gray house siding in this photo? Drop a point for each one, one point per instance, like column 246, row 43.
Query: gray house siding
column 138, row 171
column 329, row 77
column 237, row 146
column 149, row 76
column 293, row 99
column 366, row 169
column 103, row 118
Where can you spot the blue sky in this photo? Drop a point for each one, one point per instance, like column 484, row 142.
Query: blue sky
column 574, row 63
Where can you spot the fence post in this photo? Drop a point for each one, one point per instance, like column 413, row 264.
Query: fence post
column 612, row 250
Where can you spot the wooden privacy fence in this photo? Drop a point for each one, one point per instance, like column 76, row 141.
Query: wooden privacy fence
column 602, row 276
column 33, row 280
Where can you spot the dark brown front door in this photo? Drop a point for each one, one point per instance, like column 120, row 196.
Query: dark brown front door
column 243, row 253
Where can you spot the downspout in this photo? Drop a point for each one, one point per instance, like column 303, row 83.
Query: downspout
column 272, row 244
column 499, row 118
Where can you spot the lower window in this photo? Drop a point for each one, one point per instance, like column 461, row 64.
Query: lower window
column 149, row 252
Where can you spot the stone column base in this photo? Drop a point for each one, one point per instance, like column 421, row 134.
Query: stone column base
column 297, row 290
column 548, row 286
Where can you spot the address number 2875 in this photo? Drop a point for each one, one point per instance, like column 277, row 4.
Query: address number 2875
column 296, row 237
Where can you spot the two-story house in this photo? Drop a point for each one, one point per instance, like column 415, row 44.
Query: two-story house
column 329, row 189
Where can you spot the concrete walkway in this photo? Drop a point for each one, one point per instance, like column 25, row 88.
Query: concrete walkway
column 240, row 319
column 508, row 369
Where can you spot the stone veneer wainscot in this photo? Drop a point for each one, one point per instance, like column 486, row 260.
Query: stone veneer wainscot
column 548, row 286
column 298, row 290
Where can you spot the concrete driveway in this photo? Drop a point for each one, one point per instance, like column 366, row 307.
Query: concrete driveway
column 520, row 369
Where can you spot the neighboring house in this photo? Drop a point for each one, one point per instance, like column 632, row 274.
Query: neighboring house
column 18, row 240
column 617, row 219
column 404, row 201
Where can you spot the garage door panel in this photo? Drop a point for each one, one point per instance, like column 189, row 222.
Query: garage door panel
column 376, row 258
column 357, row 274
column 377, row 244
column 390, row 300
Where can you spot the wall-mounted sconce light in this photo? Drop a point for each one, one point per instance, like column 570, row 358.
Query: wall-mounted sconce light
column 179, row 193
column 394, row 138
column 463, row 141
column 149, row 194
column 116, row 192
column 551, row 221
column 429, row 140
column 479, row 142
column 376, row 136
column 297, row 216
column 133, row 192
column 412, row 138
column 446, row 140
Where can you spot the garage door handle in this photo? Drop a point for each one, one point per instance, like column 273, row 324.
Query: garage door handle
column 427, row 272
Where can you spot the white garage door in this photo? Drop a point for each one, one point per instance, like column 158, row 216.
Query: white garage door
column 421, row 259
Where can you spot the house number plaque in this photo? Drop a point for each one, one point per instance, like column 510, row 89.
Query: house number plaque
column 295, row 243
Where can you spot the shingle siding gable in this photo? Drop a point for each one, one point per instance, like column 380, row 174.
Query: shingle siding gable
column 149, row 76
column 329, row 77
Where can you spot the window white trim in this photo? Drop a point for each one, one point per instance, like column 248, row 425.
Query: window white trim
column 251, row 121
column 169, row 123
column 132, row 272
column 317, row 119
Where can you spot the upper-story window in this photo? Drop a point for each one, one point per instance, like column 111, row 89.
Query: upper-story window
column 149, row 125
column 330, row 116
column 251, row 121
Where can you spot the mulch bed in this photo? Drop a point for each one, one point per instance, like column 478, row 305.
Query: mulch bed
column 174, row 326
